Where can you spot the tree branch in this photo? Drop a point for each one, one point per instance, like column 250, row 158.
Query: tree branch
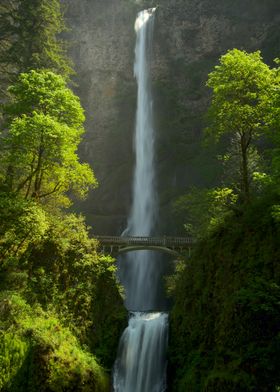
column 55, row 189
column 21, row 185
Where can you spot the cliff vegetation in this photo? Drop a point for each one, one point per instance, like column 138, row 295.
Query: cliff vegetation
column 61, row 310
column 225, row 319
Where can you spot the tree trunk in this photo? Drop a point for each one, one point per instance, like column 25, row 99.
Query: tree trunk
column 245, row 183
column 37, row 183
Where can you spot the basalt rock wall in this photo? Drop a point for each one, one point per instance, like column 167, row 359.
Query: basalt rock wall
column 189, row 37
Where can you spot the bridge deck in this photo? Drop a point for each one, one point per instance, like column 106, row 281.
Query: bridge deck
column 169, row 242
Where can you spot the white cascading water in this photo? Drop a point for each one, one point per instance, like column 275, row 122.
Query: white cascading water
column 141, row 364
column 141, row 361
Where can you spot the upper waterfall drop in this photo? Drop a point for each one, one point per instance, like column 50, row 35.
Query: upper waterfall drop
column 144, row 206
column 136, row 271
column 141, row 361
column 143, row 18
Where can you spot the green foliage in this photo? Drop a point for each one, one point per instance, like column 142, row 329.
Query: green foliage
column 67, row 274
column 39, row 158
column 13, row 352
column 225, row 321
column 273, row 127
column 244, row 112
column 53, row 262
column 47, row 256
column 47, row 93
column 22, row 222
column 29, row 37
column 242, row 86
column 205, row 209
column 38, row 353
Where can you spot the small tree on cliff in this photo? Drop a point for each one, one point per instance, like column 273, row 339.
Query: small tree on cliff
column 39, row 145
column 241, row 85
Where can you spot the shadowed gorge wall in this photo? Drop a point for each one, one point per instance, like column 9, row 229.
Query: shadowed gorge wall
column 190, row 36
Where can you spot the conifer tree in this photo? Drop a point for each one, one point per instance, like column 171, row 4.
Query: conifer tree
column 29, row 38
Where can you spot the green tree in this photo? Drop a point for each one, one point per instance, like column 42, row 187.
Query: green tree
column 29, row 37
column 204, row 209
column 241, row 87
column 67, row 273
column 21, row 222
column 273, row 121
column 39, row 145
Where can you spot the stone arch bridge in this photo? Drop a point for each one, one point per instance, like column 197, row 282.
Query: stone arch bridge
column 174, row 246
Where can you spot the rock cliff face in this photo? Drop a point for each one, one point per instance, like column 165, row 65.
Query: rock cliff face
column 190, row 36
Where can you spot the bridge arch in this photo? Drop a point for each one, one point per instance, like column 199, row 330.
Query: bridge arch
column 163, row 249
column 171, row 245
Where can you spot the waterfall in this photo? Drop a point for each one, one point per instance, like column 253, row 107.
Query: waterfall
column 140, row 364
column 136, row 270
column 143, row 212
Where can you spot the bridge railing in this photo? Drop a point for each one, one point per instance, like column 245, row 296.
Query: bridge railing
column 146, row 240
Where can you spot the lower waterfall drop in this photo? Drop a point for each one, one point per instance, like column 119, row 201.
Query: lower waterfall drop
column 141, row 360
column 141, row 364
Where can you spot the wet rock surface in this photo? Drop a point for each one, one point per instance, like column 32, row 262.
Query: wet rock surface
column 190, row 36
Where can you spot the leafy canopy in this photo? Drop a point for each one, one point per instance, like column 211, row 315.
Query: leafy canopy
column 204, row 209
column 273, row 121
column 44, row 124
column 244, row 110
column 242, row 86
